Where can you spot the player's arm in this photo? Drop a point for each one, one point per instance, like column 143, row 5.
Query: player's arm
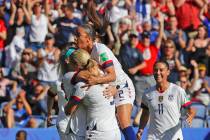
column 72, row 105
column 186, row 103
column 143, row 121
column 50, row 102
column 190, row 115
column 104, row 59
column 75, row 99
column 110, row 76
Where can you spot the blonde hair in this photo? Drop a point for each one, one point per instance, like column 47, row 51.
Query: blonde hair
column 83, row 59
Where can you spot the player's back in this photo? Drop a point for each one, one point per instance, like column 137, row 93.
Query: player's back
column 100, row 110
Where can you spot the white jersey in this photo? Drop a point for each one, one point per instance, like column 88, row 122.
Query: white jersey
column 66, row 124
column 77, row 121
column 164, row 109
column 100, row 111
column 105, row 58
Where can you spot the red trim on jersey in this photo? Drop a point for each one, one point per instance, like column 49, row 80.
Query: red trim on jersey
column 187, row 104
column 107, row 64
column 72, row 80
column 75, row 98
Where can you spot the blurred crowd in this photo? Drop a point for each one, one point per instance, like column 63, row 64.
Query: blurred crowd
column 140, row 32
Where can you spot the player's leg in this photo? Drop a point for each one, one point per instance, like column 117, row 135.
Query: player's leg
column 124, row 102
column 124, row 118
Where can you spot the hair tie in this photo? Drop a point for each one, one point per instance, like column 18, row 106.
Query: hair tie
column 69, row 52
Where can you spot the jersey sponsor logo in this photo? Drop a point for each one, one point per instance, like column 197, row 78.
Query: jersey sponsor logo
column 170, row 97
column 104, row 57
column 160, row 98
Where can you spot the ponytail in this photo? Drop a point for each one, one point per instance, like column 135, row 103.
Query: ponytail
column 100, row 22
column 90, row 64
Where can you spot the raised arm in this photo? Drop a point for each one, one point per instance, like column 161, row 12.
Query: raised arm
column 161, row 31
column 202, row 11
column 25, row 103
column 13, row 10
column 27, row 14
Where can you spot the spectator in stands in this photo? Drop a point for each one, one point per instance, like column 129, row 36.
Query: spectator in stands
column 178, row 36
column 4, row 83
column 48, row 61
column 65, row 26
column 52, row 13
column 38, row 100
column 208, row 55
column 201, row 88
column 171, row 56
column 21, row 135
column 205, row 16
column 187, row 14
column 150, row 54
column 198, row 46
column 25, row 71
column 19, row 22
column 38, row 25
column 123, row 34
column 147, row 27
column 184, row 80
column 19, row 116
column 130, row 58
column 143, row 9
column 3, row 33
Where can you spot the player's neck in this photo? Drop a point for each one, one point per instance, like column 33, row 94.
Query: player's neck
column 162, row 87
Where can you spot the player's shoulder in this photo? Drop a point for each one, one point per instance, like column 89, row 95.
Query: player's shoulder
column 68, row 76
column 100, row 47
column 176, row 90
column 175, row 87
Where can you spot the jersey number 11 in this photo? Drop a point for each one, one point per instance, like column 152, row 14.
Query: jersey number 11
column 160, row 108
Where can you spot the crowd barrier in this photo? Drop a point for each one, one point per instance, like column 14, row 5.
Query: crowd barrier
column 52, row 134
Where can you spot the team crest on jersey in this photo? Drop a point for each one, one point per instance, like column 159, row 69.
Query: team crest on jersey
column 160, row 98
column 104, row 57
column 170, row 97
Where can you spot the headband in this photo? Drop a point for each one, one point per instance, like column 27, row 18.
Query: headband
column 69, row 52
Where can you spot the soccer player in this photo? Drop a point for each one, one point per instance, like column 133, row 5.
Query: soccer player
column 162, row 103
column 85, row 37
column 101, row 120
column 69, row 127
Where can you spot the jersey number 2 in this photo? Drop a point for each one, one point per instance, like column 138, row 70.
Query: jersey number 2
column 121, row 94
column 160, row 108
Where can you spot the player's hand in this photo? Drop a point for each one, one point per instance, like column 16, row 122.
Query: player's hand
column 92, row 80
column 110, row 91
column 49, row 120
column 139, row 134
column 189, row 119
